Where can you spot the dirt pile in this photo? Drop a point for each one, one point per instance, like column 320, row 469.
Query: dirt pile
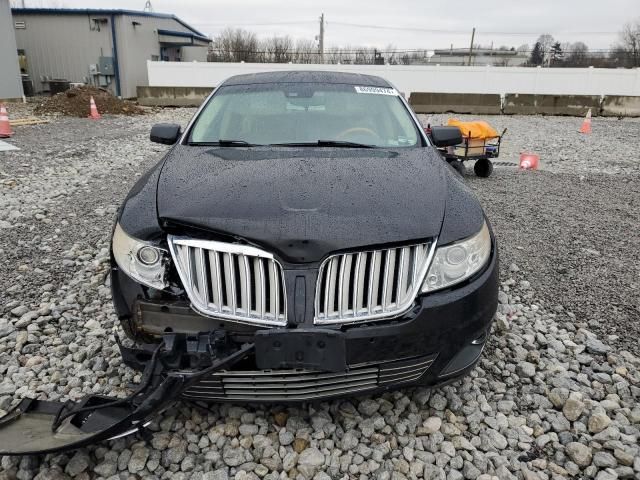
column 75, row 103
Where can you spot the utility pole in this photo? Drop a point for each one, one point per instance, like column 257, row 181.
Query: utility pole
column 473, row 34
column 321, row 39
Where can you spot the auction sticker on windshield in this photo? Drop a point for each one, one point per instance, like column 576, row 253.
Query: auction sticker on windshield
column 376, row 90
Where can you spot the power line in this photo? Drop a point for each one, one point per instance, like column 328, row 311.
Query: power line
column 462, row 32
column 401, row 28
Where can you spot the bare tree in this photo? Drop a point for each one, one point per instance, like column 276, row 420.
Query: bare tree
column 578, row 55
column 332, row 55
column 279, row 49
column 391, row 57
column 630, row 43
column 545, row 41
column 364, row 56
column 306, row 51
column 234, row 45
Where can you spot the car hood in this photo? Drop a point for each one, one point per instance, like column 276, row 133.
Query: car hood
column 304, row 203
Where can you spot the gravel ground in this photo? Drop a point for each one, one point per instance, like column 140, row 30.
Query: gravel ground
column 573, row 227
column 556, row 395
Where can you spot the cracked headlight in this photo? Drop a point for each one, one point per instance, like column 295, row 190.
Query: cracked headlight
column 140, row 260
column 458, row 261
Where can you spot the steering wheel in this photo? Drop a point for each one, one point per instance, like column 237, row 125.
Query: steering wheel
column 357, row 130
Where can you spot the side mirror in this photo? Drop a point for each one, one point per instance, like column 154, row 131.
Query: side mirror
column 446, row 136
column 165, row 133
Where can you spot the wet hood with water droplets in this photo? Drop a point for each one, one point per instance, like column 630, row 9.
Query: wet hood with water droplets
column 304, row 203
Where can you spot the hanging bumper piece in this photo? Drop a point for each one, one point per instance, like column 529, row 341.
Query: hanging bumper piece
column 39, row 426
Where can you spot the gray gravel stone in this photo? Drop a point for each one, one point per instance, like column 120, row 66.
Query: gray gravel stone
column 138, row 460
column 580, row 454
column 598, row 422
column 607, row 474
column 526, row 369
column 368, row 407
column 604, row 460
column 596, row 346
column 19, row 311
column 573, row 408
column 219, row 474
column 432, row 425
column 233, row 456
column 77, row 464
column 311, row 456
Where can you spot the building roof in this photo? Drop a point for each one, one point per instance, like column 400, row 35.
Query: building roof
column 103, row 11
column 190, row 36
column 308, row 76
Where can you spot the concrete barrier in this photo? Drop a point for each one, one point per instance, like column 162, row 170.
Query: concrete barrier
column 172, row 96
column 621, row 106
column 575, row 105
column 473, row 103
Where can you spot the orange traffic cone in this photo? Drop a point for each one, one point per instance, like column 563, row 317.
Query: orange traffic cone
column 529, row 161
column 586, row 124
column 93, row 115
column 5, row 126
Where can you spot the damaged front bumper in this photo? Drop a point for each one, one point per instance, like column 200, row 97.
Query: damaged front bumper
column 178, row 362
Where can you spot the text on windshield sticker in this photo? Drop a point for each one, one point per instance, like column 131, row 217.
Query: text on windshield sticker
column 377, row 90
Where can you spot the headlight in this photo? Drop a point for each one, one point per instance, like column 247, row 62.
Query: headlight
column 142, row 261
column 456, row 262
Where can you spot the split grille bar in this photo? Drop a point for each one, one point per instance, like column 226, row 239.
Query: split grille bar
column 369, row 285
column 231, row 281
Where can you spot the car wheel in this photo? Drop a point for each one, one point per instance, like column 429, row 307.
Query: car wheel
column 458, row 166
column 483, row 167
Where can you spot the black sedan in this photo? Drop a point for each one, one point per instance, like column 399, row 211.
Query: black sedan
column 302, row 239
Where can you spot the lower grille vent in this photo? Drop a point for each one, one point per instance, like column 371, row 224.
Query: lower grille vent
column 300, row 385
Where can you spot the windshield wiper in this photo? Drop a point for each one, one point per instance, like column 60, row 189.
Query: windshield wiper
column 324, row 143
column 227, row 143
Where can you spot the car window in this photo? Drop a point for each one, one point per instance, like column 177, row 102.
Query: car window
column 306, row 113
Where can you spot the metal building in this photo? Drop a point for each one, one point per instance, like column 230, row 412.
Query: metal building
column 10, row 85
column 107, row 48
column 480, row 56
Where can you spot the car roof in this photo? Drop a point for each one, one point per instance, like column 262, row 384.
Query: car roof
column 307, row 76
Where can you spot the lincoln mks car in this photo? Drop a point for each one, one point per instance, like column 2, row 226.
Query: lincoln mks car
column 302, row 239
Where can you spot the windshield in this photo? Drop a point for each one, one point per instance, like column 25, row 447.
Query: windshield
column 305, row 113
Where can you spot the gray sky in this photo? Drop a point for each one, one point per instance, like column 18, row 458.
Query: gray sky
column 405, row 24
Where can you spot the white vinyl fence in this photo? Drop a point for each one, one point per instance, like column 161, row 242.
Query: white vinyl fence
column 421, row 78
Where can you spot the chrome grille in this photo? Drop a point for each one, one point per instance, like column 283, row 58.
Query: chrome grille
column 231, row 281
column 370, row 285
column 300, row 385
